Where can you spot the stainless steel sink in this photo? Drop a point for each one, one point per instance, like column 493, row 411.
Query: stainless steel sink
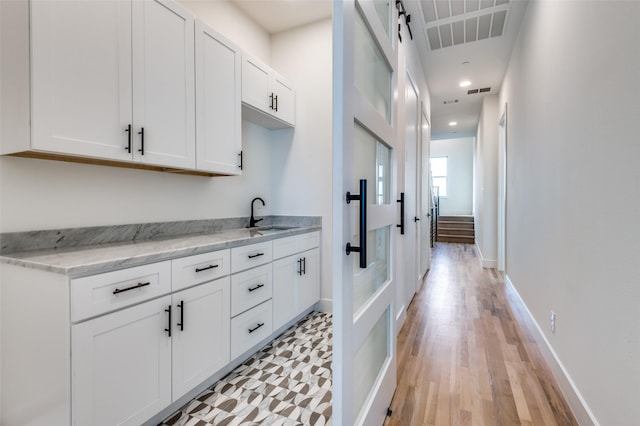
column 272, row 229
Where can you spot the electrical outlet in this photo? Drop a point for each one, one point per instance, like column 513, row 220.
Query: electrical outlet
column 552, row 322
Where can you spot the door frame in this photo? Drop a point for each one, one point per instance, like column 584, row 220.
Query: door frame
column 411, row 278
column 502, row 191
column 425, row 189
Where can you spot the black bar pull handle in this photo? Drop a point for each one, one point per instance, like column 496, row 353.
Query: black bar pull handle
column 129, row 136
column 300, row 266
column 251, row 256
column 181, row 323
column 117, row 290
column 141, row 133
column 240, row 160
column 276, row 100
column 271, row 98
column 304, row 266
column 255, row 287
column 206, row 268
column 362, row 249
column 401, row 201
column 168, row 329
column 251, row 330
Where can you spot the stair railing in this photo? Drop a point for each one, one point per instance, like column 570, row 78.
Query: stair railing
column 435, row 213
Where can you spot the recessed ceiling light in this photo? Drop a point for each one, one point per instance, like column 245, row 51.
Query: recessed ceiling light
column 465, row 83
column 465, row 63
column 453, row 123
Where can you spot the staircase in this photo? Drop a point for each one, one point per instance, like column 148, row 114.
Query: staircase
column 456, row 229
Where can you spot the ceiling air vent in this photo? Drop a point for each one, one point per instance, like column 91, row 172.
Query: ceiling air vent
column 452, row 22
column 474, row 91
column 454, row 101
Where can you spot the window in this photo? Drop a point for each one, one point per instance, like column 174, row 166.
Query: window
column 439, row 174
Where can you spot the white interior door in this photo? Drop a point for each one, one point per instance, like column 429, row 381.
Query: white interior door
column 412, row 249
column 365, row 63
column 425, row 195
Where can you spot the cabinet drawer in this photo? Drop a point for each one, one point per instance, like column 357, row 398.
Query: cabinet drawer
column 192, row 270
column 246, row 257
column 287, row 246
column 97, row 294
column 250, row 288
column 250, row 328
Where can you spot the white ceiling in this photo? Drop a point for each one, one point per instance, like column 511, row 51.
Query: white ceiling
column 464, row 32
column 487, row 58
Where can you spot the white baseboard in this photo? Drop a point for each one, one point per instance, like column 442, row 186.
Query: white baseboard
column 486, row 263
column 324, row 305
column 576, row 402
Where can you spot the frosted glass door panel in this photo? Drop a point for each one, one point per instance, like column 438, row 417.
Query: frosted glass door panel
column 369, row 360
column 366, row 282
column 382, row 8
column 372, row 72
column 372, row 161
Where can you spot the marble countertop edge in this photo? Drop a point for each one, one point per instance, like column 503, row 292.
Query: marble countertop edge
column 91, row 260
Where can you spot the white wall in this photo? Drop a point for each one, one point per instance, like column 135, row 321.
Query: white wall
column 486, row 190
column 230, row 21
column 573, row 192
column 42, row 194
column 459, row 153
column 301, row 161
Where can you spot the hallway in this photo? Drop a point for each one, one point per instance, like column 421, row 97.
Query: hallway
column 463, row 360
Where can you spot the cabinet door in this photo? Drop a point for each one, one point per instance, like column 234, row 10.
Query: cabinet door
column 219, row 120
column 163, row 82
column 285, row 273
column 201, row 342
column 285, row 100
column 255, row 84
column 121, row 366
column 81, row 77
column 308, row 287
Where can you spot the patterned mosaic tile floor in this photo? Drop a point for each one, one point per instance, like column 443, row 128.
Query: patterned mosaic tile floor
column 287, row 383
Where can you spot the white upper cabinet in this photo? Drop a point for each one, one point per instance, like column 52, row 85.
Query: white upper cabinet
column 269, row 98
column 285, row 99
column 114, row 80
column 163, row 83
column 81, row 77
column 218, row 106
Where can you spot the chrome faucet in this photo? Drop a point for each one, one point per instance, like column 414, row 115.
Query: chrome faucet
column 253, row 221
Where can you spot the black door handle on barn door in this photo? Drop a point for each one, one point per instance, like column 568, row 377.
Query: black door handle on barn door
column 362, row 249
column 401, row 201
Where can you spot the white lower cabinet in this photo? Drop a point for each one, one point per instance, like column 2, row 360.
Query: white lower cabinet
column 250, row 328
column 296, row 285
column 119, row 347
column 131, row 364
column 308, row 290
column 121, row 366
column 200, row 334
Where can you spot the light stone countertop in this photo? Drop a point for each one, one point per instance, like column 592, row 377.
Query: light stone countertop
column 96, row 259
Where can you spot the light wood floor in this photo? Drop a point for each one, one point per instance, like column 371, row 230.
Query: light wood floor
column 464, row 360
